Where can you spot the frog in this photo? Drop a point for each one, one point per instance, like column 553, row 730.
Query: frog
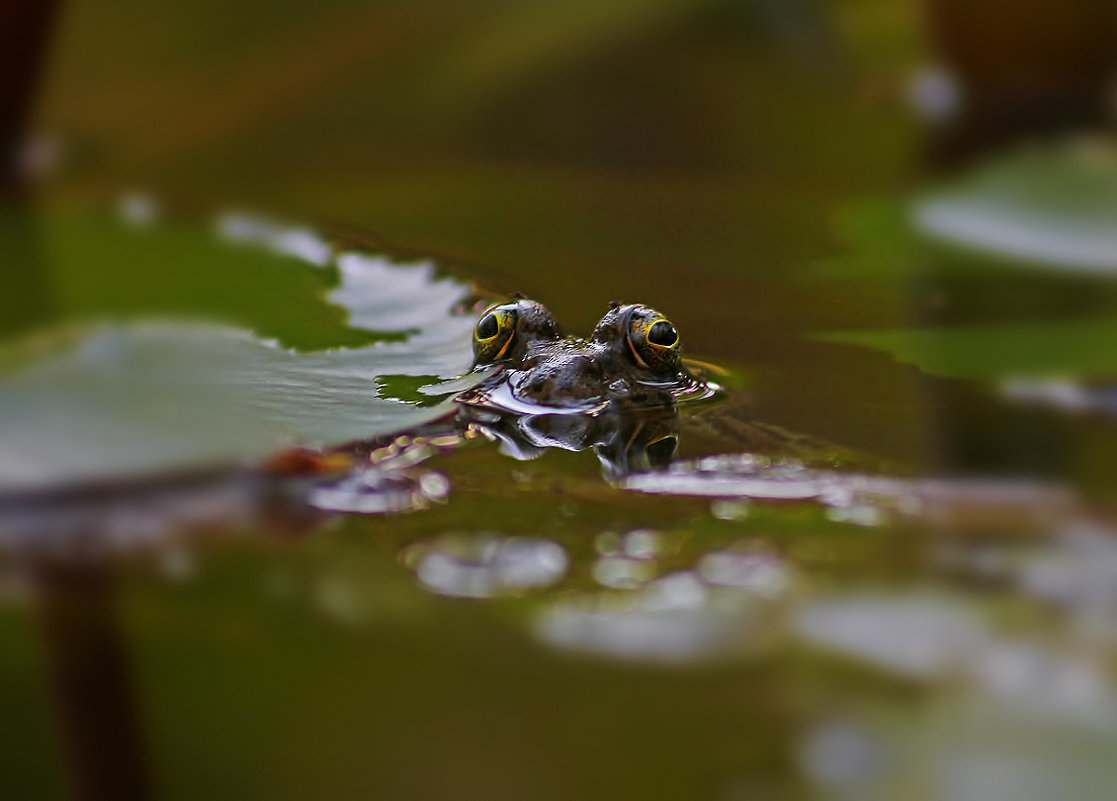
column 616, row 391
column 532, row 388
column 632, row 360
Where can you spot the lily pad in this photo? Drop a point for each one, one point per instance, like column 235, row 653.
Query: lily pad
column 1055, row 207
column 116, row 401
column 1038, row 350
column 945, row 258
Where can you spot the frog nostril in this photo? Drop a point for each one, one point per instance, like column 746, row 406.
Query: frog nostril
column 587, row 365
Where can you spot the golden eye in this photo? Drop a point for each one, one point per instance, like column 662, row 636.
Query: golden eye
column 653, row 341
column 494, row 333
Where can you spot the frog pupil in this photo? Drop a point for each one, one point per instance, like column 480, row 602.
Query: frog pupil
column 663, row 334
column 488, row 327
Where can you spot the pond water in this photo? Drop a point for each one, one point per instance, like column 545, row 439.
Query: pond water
column 249, row 545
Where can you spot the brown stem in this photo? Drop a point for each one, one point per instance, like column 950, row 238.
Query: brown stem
column 89, row 680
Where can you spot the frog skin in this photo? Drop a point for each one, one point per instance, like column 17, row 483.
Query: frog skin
column 631, row 361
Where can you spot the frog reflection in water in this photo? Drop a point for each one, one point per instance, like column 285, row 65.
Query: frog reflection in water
column 616, row 391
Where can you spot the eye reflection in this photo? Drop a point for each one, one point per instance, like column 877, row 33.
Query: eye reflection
column 660, row 452
column 625, row 444
column 486, row 566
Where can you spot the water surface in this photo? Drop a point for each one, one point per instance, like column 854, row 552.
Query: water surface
column 883, row 559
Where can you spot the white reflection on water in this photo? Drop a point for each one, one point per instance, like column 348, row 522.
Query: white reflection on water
column 380, row 489
column 391, row 482
column 621, row 572
column 94, row 525
column 684, row 617
column 1079, row 573
column 919, row 637
column 642, row 543
column 1062, row 393
column 676, row 619
column 837, row 753
column 626, row 561
column 1011, row 717
column 932, row 639
column 1074, row 571
column 1034, row 676
column 729, row 510
column 487, row 566
column 857, row 498
column 1054, row 736
column 730, row 476
column 761, row 574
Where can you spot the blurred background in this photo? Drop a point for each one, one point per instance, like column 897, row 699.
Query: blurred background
column 892, row 222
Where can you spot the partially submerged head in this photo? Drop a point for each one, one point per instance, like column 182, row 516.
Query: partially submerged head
column 633, row 356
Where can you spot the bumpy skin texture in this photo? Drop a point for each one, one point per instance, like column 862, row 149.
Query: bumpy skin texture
column 632, row 359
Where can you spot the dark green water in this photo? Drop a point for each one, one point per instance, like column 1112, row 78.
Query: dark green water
column 925, row 611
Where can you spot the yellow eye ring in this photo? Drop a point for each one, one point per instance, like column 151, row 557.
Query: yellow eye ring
column 487, row 328
column 653, row 340
column 494, row 333
column 662, row 334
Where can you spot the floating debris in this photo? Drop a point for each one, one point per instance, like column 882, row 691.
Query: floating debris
column 378, row 490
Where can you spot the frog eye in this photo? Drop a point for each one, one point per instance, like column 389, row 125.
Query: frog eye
column 494, row 333
column 663, row 334
column 653, row 340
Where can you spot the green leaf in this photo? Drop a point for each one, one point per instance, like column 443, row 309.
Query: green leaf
column 102, row 400
column 1078, row 348
column 1055, row 207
